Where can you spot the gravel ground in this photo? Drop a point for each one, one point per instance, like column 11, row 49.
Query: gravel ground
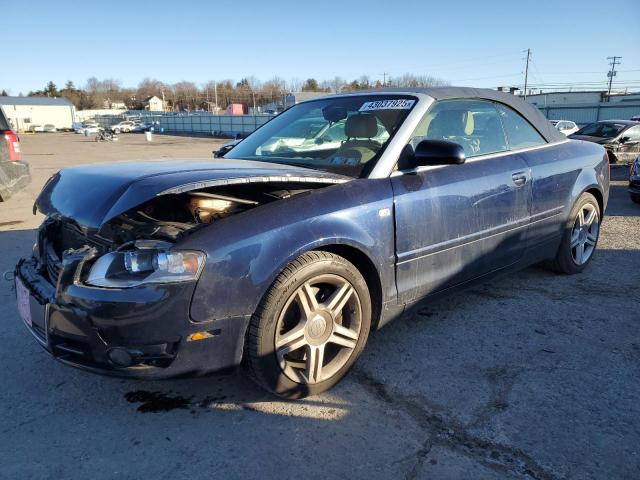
column 533, row 375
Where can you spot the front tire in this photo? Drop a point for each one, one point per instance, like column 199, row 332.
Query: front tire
column 580, row 238
column 310, row 327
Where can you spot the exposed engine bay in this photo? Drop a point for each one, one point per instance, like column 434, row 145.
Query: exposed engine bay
column 167, row 217
column 135, row 247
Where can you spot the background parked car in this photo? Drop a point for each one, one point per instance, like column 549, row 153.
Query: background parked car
column 635, row 119
column 14, row 172
column 49, row 128
column 141, row 127
column 125, row 126
column 89, row 127
column 565, row 126
column 36, row 128
column 621, row 138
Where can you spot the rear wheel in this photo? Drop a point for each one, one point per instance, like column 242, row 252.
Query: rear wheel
column 580, row 237
column 310, row 327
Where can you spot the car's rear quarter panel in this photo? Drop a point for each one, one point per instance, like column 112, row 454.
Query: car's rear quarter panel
column 561, row 173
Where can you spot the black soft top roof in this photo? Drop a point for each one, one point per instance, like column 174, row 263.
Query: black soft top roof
column 530, row 112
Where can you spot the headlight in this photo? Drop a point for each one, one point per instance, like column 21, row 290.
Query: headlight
column 145, row 265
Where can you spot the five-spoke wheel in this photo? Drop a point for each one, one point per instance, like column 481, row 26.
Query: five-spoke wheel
column 584, row 235
column 310, row 327
column 580, row 236
column 318, row 329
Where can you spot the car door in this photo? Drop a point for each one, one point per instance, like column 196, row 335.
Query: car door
column 458, row 222
column 629, row 146
column 553, row 175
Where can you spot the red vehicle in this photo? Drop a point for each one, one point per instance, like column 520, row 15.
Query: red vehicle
column 14, row 172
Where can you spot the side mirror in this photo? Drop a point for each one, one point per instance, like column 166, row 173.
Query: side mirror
column 624, row 139
column 222, row 151
column 438, row 152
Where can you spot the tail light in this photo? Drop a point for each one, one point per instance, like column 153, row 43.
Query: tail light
column 13, row 144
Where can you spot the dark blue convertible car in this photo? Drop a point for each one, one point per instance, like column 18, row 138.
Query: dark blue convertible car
column 329, row 221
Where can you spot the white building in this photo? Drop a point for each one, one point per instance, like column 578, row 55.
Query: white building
column 566, row 98
column 153, row 104
column 289, row 100
column 23, row 112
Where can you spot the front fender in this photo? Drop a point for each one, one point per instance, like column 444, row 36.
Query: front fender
column 246, row 252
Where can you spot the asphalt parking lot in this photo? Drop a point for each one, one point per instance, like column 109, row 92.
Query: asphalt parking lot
column 533, row 375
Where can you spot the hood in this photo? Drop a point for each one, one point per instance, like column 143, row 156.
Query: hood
column 589, row 138
column 92, row 195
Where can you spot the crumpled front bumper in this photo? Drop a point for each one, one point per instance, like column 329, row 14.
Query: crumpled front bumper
column 83, row 326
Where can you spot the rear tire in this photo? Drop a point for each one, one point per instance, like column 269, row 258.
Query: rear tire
column 580, row 237
column 310, row 327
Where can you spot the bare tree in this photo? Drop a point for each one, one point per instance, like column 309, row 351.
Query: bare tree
column 186, row 95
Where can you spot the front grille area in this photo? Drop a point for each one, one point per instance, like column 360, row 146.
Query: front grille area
column 51, row 263
column 54, row 238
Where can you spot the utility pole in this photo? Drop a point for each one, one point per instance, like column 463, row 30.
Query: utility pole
column 215, row 94
column 526, row 73
column 612, row 73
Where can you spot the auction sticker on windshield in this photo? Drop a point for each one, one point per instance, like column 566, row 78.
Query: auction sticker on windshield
column 397, row 104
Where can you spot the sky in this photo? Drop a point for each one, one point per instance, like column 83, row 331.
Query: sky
column 464, row 42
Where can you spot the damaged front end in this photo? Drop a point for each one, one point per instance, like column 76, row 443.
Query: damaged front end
column 110, row 288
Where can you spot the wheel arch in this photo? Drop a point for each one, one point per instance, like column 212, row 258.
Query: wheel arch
column 595, row 191
column 367, row 268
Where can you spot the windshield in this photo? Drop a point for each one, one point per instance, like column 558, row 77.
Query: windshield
column 344, row 135
column 603, row 130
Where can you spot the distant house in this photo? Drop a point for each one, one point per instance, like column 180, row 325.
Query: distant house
column 153, row 104
column 110, row 105
column 25, row 112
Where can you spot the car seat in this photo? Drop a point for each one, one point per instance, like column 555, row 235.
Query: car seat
column 359, row 145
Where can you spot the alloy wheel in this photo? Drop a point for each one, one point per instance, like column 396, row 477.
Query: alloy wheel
column 318, row 329
column 584, row 234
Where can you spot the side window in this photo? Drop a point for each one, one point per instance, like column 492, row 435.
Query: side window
column 474, row 124
column 520, row 133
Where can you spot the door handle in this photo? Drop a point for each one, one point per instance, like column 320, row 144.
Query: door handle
column 519, row 178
